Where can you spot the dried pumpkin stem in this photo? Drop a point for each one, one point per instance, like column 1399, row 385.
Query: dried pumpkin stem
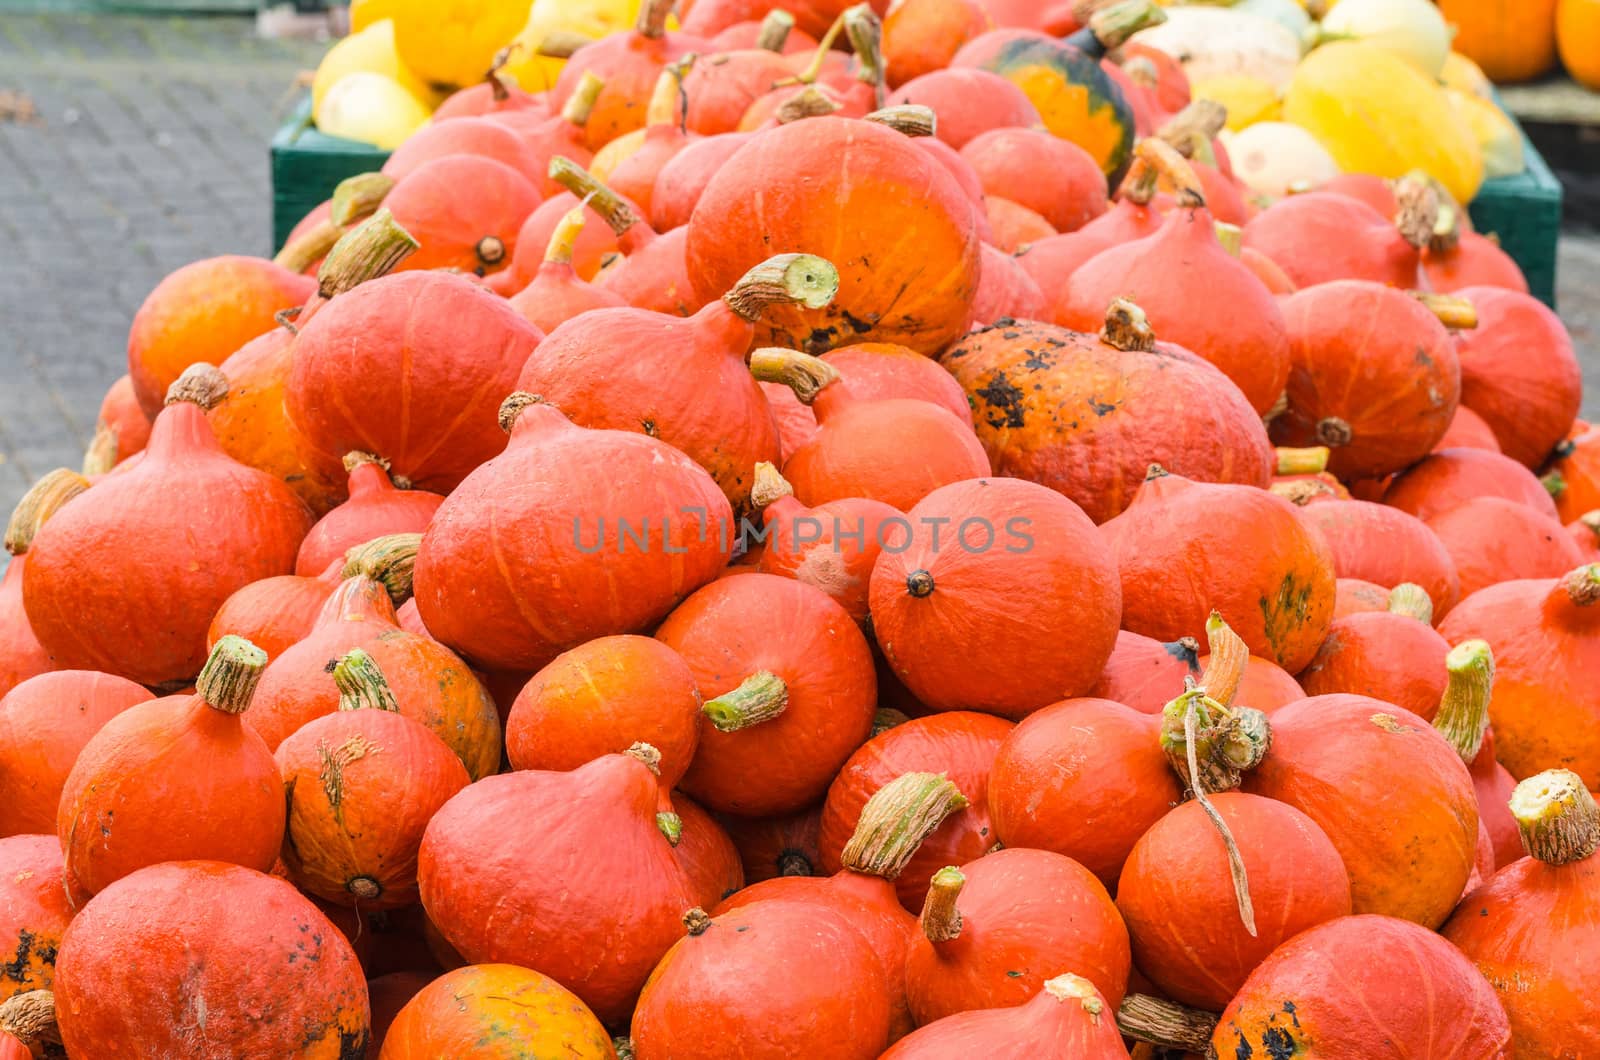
column 1582, row 586
column 646, row 753
column 101, row 455
column 390, row 560
column 1068, row 988
column 361, row 683
column 786, row 279
column 579, row 105
column 652, row 20
column 886, row 718
column 794, row 863
column 1194, row 125
column 1149, row 1019
column 804, row 374
column 865, row 31
column 1230, row 656
column 814, row 68
column 200, row 384
column 357, row 198
column 611, row 207
column 624, row 1047
column 668, row 105
column 562, row 44
column 670, row 825
column 304, row 251
column 513, row 406
column 895, row 821
column 43, row 499
column 697, row 921
column 775, row 30
column 1556, row 816
column 1413, row 601
column 357, row 458
column 908, row 119
column 30, row 1018
column 941, row 920
column 1463, row 715
column 229, row 678
column 1312, row 460
column 365, row 888
column 371, row 249
column 1416, row 210
column 1110, row 27
column 760, row 697
column 1236, row 870
column 1156, row 160
column 1334, row 432
column 1127, row 328
column 770, row 486
column 1453, row 311
column 809, row 102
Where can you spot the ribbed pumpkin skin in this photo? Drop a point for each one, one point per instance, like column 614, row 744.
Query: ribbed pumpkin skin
column 1142, row 672
column 362, row 786
column 848, row 191
column 275, row 613
column 1270, row 577
column 21, row 654
column 968, row 102
column 1071, row 412
column 601, row 698
column 1178, row 900
column 170, row 780
column 1296, row 233
column 449, row 226
column 960, row 744
column 1081, row 1028
column 375, row 508
column 528, row 559
column 766, row 982
column 1544, row 708
column 1383, row 655
column 1531, row 930
column 33, row 912
column 749, row 623
column 431, row 355
column 1449, row 478
column 495, row 1012
column 1365, row 986
column 205, row 526
column 502, row 884
column 1084, row 778
column 1408, row 846
column 1021, row 576
column 1385, row 546
column 1022, row 910
column 1393, row 386
column 45, row 722
column 203, row 312
column 271, row 974
column 471, row 135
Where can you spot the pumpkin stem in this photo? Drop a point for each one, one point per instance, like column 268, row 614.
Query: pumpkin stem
column 1416, row 210
column 1334, row 432
column 579, row 105
column 804, row 374
column 562, row 44
column 908, row 119
column 1463, row 715
column 1230, row 655
column 229, row 678
column 1453, row 311
column 365, row 888
column 646, row 753
column 697, row 920
column 1554, row 483
column 770, row 486
column 1591, row 522
column 1411, row 600
column 513, row 406
column 1557, row 817
column 1141, row 71
column 760, row 697
column 371, row 249
column 809, row 102
column 361, row 683
column 624, row 1047
column 941, row 920
column 565, row 237
column 30, row 1018
column 1446, row 235
column 1194, row 127
column 391, row 560
column 865, row 31
column 1155, row 160
column 919, row 583
column 671, row 826
column 786, row 279
column 1236, row 870
column 814, row 68
column 1582, row 586
column 775, row 30
column 200, row 384
column 652, row 20
column 301, row 253
column 1071, row 987
column 1312, row 460
column 886, row 718
column 101, row 456
column 358, row 458
column 43, row 499
column 1110, row 27
column 794, row 863
column 1229, row 237
column 895, row 821
column 357, row 198
column 612, row 208
column 1149, row 1019
column 668, row 105
column 1127, row 328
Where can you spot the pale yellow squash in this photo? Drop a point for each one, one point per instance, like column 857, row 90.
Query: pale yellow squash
column 1378, row 114
column 1246, row 99
column 371, row 108
column 1497, row 135
column 1464, row 75
column 370, row 49
column 1412, row 29
column 587, row 18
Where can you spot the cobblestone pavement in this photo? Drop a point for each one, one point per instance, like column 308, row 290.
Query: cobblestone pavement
column 150, row 152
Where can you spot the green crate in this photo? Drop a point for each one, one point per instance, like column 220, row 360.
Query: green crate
column 1524, row 211
column 307, row 165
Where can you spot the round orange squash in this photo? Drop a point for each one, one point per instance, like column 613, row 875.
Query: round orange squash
column 495, row 1012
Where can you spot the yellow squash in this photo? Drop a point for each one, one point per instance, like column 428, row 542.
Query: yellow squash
column 1376, row 113
column 371, row 49
column 454, row 42
column 1497, row 135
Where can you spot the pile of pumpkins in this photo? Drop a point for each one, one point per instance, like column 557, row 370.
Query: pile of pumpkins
column 770, row 550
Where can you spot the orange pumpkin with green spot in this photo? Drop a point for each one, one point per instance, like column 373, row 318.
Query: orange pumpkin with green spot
column 495, row 1012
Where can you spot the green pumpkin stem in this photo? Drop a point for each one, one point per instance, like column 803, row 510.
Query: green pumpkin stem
column 581, row 103
column 228, row 680
column 800, row 372
column 101, row 455
column 43, row 499
column 1149, row 1019
column 1110, row 27
column 671, row 826
column 304, row 251
column 785, row 279
column 612, row 208
column 908, row 119
column 761, row 697
column 357, row 198
column 391, row 560
column 361, row 683
column 1312, row 460
column 369, row 250
column 1463, row 716
column 565, row 237
column 1557, row 817
column 896, row 820
column 775, row 30
column 941, row 920
column 1413, row 601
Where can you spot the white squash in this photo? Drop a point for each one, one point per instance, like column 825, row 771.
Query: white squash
column 1412, row 29
column 1213, row 42
column 1273, row 157
column 1290, row 15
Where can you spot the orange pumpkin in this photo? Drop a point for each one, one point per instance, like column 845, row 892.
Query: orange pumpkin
column 33, row 912
column 1578, row 40
column 275, row 613
column 495, row 1012
column 1067, row 1017
column 1510, row 40
column 1392, row 655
